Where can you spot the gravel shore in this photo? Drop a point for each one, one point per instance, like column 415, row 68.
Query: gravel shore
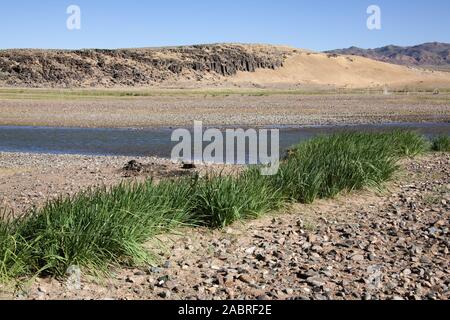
column 391, row 244
column 228, row 110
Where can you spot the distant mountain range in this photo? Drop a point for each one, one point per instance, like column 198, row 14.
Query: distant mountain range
column 433, row 54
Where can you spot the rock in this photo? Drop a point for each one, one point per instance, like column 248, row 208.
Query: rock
column 246, row 278
column 316, row 282
column 250, row 250
column 425, row 260
column 289, row 291
column 260, row 257
column 306, row 275
column 154, row 270
column 133, row 166
column 73, row 281
column 228, row 281
column 406, row 272
column 433, row 231
column 41, row 290
column 163, row 279
column 312, row 238
column 188, row 166
column 164, row 294
column 357, row 257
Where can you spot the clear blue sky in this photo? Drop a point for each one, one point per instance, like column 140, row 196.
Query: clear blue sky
column 313, row 24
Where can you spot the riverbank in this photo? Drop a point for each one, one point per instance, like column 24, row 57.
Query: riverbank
column 29, row 180
column 106, row 229
column 365, row 245
column 221, row 108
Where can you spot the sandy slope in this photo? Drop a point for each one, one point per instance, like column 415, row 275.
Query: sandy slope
column 308, row 68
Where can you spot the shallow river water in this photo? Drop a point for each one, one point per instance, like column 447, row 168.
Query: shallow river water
column 157, row 141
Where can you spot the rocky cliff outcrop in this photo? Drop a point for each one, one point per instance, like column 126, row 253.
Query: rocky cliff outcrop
column 134, row 67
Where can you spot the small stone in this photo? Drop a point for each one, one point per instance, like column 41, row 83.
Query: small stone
column 212, row 290
column 367, row 297
column 312, row 238
column 73, row 281
column 246, row 278
column 42, row 290
column 250, row 250
column 140, row 273
column 164, row 294
column 129, row 279
column 406, row 272
column 189, row 166
column 316, row 281
column 163, row 279
column 425, row 259
column 260, row 257
column 358, row 257
column 155, row 270
column 289, row 291
column 228, row 281
column 306, row 290
column 433, row 231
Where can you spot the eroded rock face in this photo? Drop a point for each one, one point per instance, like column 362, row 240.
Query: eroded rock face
column 133, row 67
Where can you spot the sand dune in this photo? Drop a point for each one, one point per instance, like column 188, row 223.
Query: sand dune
column 309, row 68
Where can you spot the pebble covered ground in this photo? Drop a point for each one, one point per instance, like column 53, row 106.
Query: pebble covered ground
column 230, row 110
column 388, row 244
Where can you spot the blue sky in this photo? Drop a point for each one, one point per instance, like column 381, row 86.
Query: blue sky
column 313, row 24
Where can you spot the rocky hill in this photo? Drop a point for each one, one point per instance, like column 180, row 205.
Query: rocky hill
column 213, row 65
column 432, row 54
column 134, row 67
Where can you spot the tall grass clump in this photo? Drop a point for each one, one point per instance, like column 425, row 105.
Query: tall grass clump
column 10, row 262
column 328, row 165
column 221, row 200
column 441, row 144
column 102, row 227
column 402, row 143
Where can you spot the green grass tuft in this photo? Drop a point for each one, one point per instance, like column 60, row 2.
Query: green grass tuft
column 328, row 165
column 102, row 227
column 441, row 144
column 221, row 200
